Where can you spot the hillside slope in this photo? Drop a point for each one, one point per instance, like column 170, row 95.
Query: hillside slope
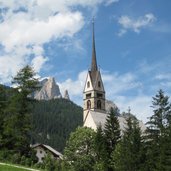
column 54, row 120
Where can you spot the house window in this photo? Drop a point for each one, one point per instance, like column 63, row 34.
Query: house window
column 99, row 104
column 40, row 151
column 88, row 84
column 88, row 104
column 99, row 84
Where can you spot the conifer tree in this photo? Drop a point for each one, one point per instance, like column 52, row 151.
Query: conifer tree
column 17, row 125
column 100, row 150
column 112, row 133
column 127, row 155
column 158, row 133
column 3, row 102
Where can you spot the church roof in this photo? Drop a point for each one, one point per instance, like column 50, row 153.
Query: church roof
column 94, row 77
column 100, row 119
column 94, row 73
column 94, row 61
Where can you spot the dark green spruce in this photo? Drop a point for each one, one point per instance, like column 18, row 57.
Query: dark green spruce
column 17, row 125
column 112, row 133
column 158, row 134
column 128, row 153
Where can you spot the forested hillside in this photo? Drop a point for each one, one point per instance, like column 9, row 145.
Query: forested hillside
column 54, row 120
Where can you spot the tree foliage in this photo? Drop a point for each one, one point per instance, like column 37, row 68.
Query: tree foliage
column 54, row 120
column 17, row 125
column 101, row 160
column 128, row 153
column 111, row 133
column 158, row 134
column 79, row 152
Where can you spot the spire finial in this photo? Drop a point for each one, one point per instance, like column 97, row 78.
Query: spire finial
column 93, row 21
column 94, row 62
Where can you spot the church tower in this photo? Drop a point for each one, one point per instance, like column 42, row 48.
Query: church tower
column 94, row 93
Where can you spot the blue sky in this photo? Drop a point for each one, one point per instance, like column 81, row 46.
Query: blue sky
column 133, row 41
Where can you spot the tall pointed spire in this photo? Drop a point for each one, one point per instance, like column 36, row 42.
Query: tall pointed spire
column 94, row 61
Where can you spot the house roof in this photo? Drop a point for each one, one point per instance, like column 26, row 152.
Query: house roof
column 52, row 150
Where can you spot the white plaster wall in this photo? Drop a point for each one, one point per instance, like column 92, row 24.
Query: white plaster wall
column 40, row 154
column 90, row 122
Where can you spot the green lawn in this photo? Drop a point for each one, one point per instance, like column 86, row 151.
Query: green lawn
column 11, row 168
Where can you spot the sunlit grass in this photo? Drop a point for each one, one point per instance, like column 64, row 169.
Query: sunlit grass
column 12, row 168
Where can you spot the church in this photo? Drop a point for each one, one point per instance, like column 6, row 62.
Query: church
column 94, row 110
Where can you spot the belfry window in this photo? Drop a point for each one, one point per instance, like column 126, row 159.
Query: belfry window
column 88, row 95
column 88, row 84
column 99, row 106
column 99, row 84
column 88, row 104
column 99, row 95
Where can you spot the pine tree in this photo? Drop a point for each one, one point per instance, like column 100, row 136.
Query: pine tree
column 3, row 102
column 17, row 124
column 157, row 133
column 100, row 150
column 127, row 154
column 112, row 133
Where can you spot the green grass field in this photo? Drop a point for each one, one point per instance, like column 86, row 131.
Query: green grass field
column 11, row 168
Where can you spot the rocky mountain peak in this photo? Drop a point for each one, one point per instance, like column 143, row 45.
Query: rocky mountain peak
column 66, row 95
column 110, row 104
column 49, row 90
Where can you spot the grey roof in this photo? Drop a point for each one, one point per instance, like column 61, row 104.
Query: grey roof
column 100, row 118
column 53, row 150
column 49, row 148
column 94, row 61
column 94, row 69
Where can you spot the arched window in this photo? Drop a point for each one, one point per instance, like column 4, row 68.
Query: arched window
column 88, row 104
column 88, row 84
column 99, row 104
column 99, row 84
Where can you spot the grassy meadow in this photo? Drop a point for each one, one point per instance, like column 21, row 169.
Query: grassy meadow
column 12, row 168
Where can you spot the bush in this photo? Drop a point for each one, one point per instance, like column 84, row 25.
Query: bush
column 16, row 158
column 3, row 155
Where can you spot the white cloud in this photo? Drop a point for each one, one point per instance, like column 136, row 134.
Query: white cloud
column 9, row 66
column 22, row 37
column 139, row 105
column 75, row 87
column 109, row 2
column 38, row 62
column 26, row 31
column 122, row 32
column 166, row 76
column 115, row 83
column 22, row 31
column 135, row 25
column 28, row 25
